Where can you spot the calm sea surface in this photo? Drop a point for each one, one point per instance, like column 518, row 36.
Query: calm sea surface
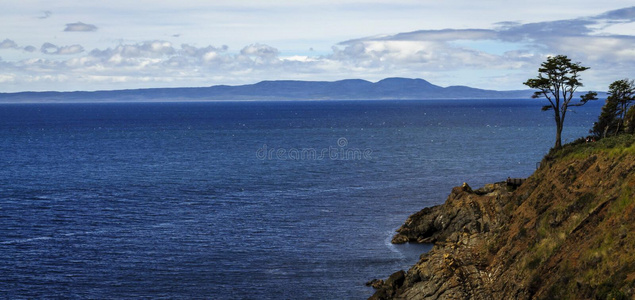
column 241, row 200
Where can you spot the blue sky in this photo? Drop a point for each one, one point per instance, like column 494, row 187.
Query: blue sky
column 89, row 45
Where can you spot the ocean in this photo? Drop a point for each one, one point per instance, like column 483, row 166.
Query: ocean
column 242, row 200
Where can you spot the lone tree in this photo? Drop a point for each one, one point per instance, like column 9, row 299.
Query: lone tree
column 613, row 118
column 558, row 79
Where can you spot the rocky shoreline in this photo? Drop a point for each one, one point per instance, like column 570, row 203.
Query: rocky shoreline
column 565, row 233
column 467, row 217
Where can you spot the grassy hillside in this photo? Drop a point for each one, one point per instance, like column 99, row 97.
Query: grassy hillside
column 573, row 237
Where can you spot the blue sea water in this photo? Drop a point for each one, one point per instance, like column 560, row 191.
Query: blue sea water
column 241, row 200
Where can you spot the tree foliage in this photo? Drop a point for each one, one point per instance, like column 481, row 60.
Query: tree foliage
column 557, row 81
column 616, row 117
column 629, row 120
column 607, row 121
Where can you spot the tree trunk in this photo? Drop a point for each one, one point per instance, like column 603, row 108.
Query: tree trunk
column 559, row 124
column 558, row 136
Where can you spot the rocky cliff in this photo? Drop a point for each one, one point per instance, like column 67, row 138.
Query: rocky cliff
column 568, row 232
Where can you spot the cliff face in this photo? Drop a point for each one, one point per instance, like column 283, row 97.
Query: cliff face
column 568, row 232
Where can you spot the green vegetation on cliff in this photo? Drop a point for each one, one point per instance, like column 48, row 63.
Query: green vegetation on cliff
column 618, row 145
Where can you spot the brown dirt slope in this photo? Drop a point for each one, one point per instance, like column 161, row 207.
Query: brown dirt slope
column 568, row 232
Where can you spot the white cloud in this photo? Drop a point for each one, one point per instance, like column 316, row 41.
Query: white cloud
column 145, row 49
column 7, row 78
column 526, row 45
column 79, row 26
column 260, row 51
column 48, row 48
column 46, row 14
column 73, row 49
column 299, row 58
column 8, row 44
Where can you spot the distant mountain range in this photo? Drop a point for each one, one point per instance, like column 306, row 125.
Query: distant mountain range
column 350, row 89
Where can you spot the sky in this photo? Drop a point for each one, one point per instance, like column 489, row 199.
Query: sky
column 67, row 45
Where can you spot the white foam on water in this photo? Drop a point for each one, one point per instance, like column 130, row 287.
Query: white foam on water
column 28, row 240
column 391, row 246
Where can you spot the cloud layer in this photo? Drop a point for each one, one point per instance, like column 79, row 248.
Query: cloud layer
column 501, row 57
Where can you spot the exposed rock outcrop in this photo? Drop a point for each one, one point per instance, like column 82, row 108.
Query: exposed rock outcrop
column 566, row 233
column 465, row 212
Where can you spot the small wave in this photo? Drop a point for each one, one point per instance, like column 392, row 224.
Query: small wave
column 276, row 272
column 29, row 240
column 44, row 238
column 80, row 233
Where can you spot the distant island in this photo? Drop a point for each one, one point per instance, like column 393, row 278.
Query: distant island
column 349, row 89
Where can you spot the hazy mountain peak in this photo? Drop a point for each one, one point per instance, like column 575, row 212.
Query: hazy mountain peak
column 347, row 89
